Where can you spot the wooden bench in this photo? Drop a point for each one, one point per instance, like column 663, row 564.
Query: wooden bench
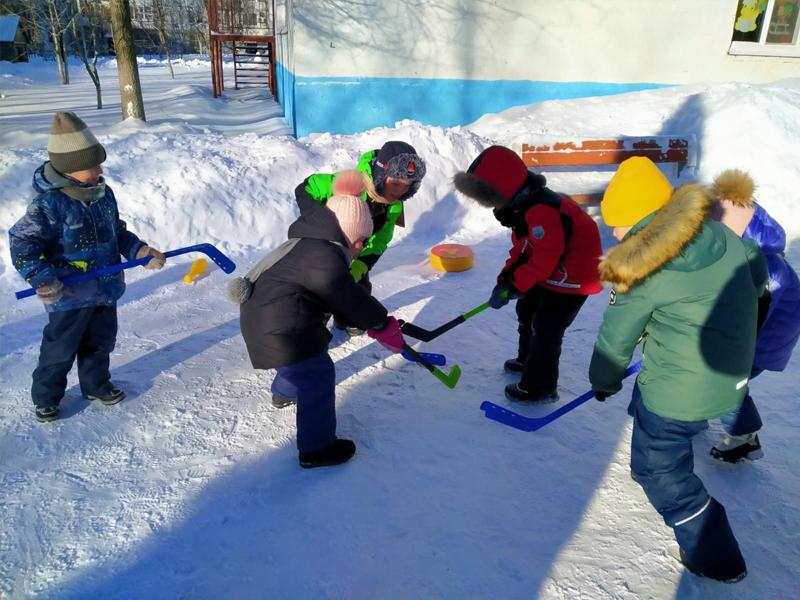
column 565, row 155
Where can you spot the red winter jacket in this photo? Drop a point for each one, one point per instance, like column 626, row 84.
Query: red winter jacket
column 555, row 244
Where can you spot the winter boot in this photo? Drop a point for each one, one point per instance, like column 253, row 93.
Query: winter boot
column 337, row 453
column 112, row 396
column 281, row 402
column 45, row 414
column 736, row 448
column 517, row 394
column 678, row 553
column 513, row 366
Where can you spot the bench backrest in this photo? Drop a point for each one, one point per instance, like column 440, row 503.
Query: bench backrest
column 542, row 153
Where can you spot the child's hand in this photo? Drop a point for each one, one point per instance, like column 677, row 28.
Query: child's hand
column 51, row 291
column 390, row 337
column 158, row 260
column 357, row 269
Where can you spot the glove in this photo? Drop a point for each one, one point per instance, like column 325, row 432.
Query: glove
column 158, row 260
column 502, row 294
column 601, row 396
column 358, row 269
column 51, row 291
column 390, row 337
column 499, row 296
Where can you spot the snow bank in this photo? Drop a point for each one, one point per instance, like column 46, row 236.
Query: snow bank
column 750, row 127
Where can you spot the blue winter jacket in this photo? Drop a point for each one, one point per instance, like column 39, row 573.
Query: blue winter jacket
column 60, row 236
column 781, row 330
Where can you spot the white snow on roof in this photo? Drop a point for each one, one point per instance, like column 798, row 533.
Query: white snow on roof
column 8, row 28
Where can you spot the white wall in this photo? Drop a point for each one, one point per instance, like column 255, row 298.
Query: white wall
column 612, row 41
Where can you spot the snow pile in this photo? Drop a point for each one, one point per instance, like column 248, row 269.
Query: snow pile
column 190, row 487
column 187, row 61
column 750, row 127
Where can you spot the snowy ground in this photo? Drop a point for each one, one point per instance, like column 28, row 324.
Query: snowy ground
column 190, row 488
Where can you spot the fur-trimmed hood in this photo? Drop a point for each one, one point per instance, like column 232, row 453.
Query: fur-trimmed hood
column 658, row 239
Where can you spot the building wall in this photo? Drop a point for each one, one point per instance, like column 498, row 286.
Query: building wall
column 447, row 62
column 284, row 61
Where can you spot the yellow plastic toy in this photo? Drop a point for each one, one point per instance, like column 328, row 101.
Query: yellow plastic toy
column 452, row 258
column 198, row 268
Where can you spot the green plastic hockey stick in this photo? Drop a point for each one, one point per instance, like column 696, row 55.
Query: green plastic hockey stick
column 449, row 379
column 425, row 335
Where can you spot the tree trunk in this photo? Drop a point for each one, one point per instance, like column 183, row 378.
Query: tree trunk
column 93, row 72
column 55, row 27
column 165, row 44
column 65, row 56
column 80, row 43
column 169, row 62
column 129, row 87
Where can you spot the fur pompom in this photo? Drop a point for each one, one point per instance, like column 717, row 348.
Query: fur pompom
column 349, row 183
column 239, row 290
column 736, row 186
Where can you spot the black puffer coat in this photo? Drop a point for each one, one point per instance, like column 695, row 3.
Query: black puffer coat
column 284, row 321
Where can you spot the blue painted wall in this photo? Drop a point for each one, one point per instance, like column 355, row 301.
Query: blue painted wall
column 286, row 94
column 351, row 105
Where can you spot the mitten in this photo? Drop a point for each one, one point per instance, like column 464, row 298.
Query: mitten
column 158, row 260
column 358, row 269
column 390, row 337
column 50, row 292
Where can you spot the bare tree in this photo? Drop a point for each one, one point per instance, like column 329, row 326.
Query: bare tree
column 161, row 23
column 90, row 16
column 129, row 86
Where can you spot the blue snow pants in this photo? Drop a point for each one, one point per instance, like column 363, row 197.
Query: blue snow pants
column 86, row 333
column 662, row 460
column 313, row 384
column 745, row 419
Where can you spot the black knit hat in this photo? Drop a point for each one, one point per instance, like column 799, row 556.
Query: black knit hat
column 398, row 160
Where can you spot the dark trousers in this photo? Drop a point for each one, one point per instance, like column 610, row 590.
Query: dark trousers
column 544, row 316
column 88, row 333
column 662, row 459
column 745, row 419
column 313, row 384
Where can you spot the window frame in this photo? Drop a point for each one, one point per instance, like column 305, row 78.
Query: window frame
column 761, row 47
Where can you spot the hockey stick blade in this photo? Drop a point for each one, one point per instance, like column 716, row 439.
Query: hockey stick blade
column 222, row 261
column 439, row 360
column 517, row 421
column 449, row 379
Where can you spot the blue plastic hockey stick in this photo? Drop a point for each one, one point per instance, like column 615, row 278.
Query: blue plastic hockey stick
column 439, row 360
column 222, row 261
column 517, row 421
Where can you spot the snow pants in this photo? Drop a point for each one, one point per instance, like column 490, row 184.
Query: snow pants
column 312, row 383
column 662, row 459
column 544, row 316
column 86, row 333
column 745, row 419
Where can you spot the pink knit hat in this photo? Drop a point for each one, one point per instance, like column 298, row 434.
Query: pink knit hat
column 350, row 209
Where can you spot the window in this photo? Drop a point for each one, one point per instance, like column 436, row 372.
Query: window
column 766, row 28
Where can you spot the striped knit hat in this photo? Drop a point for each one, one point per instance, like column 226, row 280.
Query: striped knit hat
column 72, row 146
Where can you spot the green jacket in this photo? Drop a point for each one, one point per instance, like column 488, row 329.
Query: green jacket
column 319, row 187
column 688, row 289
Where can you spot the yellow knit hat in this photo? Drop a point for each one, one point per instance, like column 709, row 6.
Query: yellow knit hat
column 637, row 189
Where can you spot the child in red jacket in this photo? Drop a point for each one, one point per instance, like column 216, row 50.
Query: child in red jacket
column 552, row 268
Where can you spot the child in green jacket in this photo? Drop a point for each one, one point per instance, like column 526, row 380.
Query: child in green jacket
column 392, row 175
column 687, row 288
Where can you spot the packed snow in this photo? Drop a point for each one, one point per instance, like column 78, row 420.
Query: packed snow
column 190, row 488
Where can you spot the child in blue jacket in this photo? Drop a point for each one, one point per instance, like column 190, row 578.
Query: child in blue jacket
column 73, row 226
column 779, row 315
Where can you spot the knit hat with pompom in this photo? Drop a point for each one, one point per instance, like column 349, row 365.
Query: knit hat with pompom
column 351, row 211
